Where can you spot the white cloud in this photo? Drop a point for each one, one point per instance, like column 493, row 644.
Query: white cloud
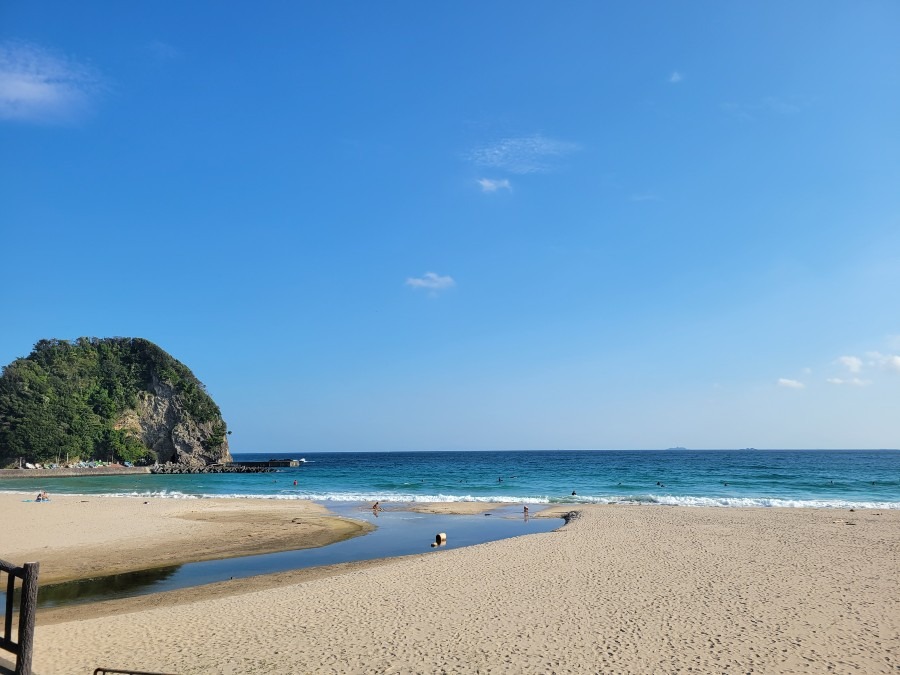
column 493, row 184
column 431, row 281
column 522, row 155
column 675, row 77
column 853, row 381
column 851, row 363
column 886, row 361
column 790, row 384
column 37, row 86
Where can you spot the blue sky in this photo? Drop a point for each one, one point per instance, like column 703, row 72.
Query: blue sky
column 423, row 226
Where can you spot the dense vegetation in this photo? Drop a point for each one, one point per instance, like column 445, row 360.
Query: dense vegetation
column 65, row 400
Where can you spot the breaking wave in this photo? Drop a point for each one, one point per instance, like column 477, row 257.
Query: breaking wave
column 645, row 499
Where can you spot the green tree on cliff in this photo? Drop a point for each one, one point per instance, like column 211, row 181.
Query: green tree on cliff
column 66, row 399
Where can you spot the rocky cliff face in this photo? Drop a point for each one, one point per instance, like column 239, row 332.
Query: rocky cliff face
column 165, row 427
column 122, row 399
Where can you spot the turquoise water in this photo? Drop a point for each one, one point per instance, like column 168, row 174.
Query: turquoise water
column 780, row 478
column 774, row 478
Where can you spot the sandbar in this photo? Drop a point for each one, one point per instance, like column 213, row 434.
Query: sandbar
column 453, row 508
column 76, row 537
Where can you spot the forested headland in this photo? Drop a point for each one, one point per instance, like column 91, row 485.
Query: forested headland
column 112, row 399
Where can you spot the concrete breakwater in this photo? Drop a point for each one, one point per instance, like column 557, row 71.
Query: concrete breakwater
column 213, row 468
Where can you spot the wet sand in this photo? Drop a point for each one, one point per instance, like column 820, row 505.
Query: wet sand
column 624, row 589
column 75, row 537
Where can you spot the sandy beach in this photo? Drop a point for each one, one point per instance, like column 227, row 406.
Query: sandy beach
column 74, row 537
column 620, row 589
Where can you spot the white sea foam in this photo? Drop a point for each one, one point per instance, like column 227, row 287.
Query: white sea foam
column 144, row 494
column 775, row 502
column 650, row 499
column 399, row 497
column 647, row 499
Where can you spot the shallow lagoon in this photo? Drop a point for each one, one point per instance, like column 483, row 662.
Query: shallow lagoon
column 398, row 533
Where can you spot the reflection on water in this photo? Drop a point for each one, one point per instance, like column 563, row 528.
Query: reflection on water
column 398, row 533
column 104, row 588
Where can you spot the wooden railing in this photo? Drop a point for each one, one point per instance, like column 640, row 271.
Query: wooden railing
column 23, row 646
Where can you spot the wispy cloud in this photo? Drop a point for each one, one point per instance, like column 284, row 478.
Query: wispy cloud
column 675, row 77
column 38, row 86
column 644, row 197
column 493, row 184
column 163, row 51
column 523, row 154
column 885, row 361
column 431, row 281
column 856, row 371
column 779, row 106
column 737, row 110
column 853, row 381
column 852, row 363
column 770, row 105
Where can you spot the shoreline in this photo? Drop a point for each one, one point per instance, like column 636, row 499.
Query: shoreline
column 80, row 536
column 73, row 472
column 83, row 536
column 626, row 589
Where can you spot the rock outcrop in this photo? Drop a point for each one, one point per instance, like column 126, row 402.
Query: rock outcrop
column 165, row 427
column 110, row 399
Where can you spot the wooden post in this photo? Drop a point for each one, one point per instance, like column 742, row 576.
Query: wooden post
column 27, row 611
column 8, row 613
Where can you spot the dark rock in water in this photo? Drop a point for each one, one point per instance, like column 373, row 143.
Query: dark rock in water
column 171, row 468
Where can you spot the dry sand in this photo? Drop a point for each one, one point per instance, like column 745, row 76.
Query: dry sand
column 621, row 589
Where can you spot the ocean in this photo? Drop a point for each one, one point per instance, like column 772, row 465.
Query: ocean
column 725, row 478
column 348, row 482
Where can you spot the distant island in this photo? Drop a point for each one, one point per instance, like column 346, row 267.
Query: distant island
column 111, row 399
